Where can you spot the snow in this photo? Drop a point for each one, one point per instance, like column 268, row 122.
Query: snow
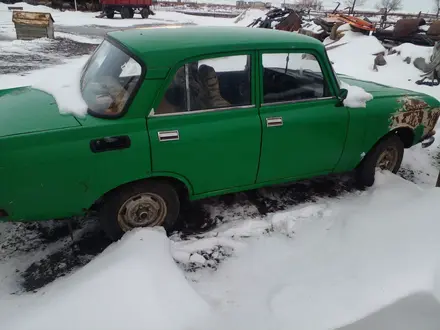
column 248, row 16
column 65, row 88
column 342, row 259
column 413, row 51
column 133, row 284
column 370, row 251
column 355, row 58
column 357, row 97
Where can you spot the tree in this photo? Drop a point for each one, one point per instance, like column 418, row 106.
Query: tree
column 389, row 5
column 437, row 7
column 309, row 4
column 353, row 3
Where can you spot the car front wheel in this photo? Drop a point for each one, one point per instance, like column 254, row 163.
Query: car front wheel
column 141, row 204
column 386, row 155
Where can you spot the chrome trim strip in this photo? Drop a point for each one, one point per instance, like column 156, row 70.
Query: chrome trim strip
column 168, row 135
column 300, row 101
column 201, row 111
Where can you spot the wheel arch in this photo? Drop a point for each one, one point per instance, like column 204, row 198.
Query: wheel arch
column 182, row 185
column 405, row 133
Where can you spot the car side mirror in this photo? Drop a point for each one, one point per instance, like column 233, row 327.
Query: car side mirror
column 343, row 93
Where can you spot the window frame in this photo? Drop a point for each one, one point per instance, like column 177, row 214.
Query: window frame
column 293, row 51
column 171, row 73
column 135, row 91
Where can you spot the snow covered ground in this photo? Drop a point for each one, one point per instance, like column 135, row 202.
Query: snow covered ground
column 317, row 254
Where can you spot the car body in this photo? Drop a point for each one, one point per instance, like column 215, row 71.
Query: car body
column 204, row 111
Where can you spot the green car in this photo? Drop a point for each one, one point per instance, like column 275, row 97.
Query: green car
column 193, row 112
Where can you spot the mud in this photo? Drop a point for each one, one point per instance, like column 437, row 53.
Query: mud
column 196, row 219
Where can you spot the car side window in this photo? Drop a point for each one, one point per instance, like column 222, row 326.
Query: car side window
column 209, row 84
column 289, row 77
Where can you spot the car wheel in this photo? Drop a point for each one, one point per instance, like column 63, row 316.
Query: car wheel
column 386, row 155
column 141, row 204
column 125, row 12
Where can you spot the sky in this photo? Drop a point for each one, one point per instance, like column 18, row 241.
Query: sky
column 408, row 5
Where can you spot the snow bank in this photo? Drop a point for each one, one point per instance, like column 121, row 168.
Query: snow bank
column 357, row 97
column 134, row 284
column 413, row 51
column 367, row 251
column 355, row 57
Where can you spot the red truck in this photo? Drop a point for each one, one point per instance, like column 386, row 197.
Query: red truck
column 127, row 8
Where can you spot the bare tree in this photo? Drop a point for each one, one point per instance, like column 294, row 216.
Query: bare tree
column 353, row 3
column 437, row 7
column 309, row 4
column 389, row 5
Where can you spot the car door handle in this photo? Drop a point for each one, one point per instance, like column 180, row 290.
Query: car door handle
column 110, row 143
column 274, row 121
column 168, row 136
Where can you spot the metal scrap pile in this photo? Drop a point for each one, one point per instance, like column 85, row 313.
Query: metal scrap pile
column 320, row 28
column 414, row 31
column 280, row 19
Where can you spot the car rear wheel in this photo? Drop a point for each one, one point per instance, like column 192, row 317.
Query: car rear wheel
column 386, row 155
column 141, row 204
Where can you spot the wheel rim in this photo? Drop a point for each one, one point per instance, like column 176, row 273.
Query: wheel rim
column 388, row 159
column 142, row 210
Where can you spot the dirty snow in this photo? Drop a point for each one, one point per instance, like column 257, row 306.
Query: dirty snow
column 133, row 284
column 343, row 259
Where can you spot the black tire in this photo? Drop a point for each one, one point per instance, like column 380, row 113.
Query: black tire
column 125, row 12
column 110, row 14
column 113, row 203
column 145, row 12
column 366, row 171
column 131, row 12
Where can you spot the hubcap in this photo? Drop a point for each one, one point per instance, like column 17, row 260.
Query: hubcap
column 142, row 210
column 388, row 159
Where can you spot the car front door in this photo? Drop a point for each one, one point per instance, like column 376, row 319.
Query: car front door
column 205, row 127
column 304, row 129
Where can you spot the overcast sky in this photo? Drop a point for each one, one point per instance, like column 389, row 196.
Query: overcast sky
column 408, row 5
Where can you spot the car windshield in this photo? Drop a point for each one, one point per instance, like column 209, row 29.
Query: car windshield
column 108, row 80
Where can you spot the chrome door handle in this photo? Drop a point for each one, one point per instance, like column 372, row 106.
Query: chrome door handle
column 274, row 121
column 168, row 136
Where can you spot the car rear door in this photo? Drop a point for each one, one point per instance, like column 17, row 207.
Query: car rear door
column 205, row 126
column 304, row 130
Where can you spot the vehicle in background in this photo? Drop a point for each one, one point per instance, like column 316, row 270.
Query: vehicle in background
column 127, row 8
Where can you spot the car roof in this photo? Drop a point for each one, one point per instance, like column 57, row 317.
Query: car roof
column 164, row 46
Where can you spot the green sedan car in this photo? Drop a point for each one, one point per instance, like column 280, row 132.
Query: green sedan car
column 193, row 112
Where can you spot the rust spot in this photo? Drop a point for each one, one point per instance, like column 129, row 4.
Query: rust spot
column 414, row 112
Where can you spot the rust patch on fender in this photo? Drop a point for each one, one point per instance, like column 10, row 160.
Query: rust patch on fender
column 414, row 112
